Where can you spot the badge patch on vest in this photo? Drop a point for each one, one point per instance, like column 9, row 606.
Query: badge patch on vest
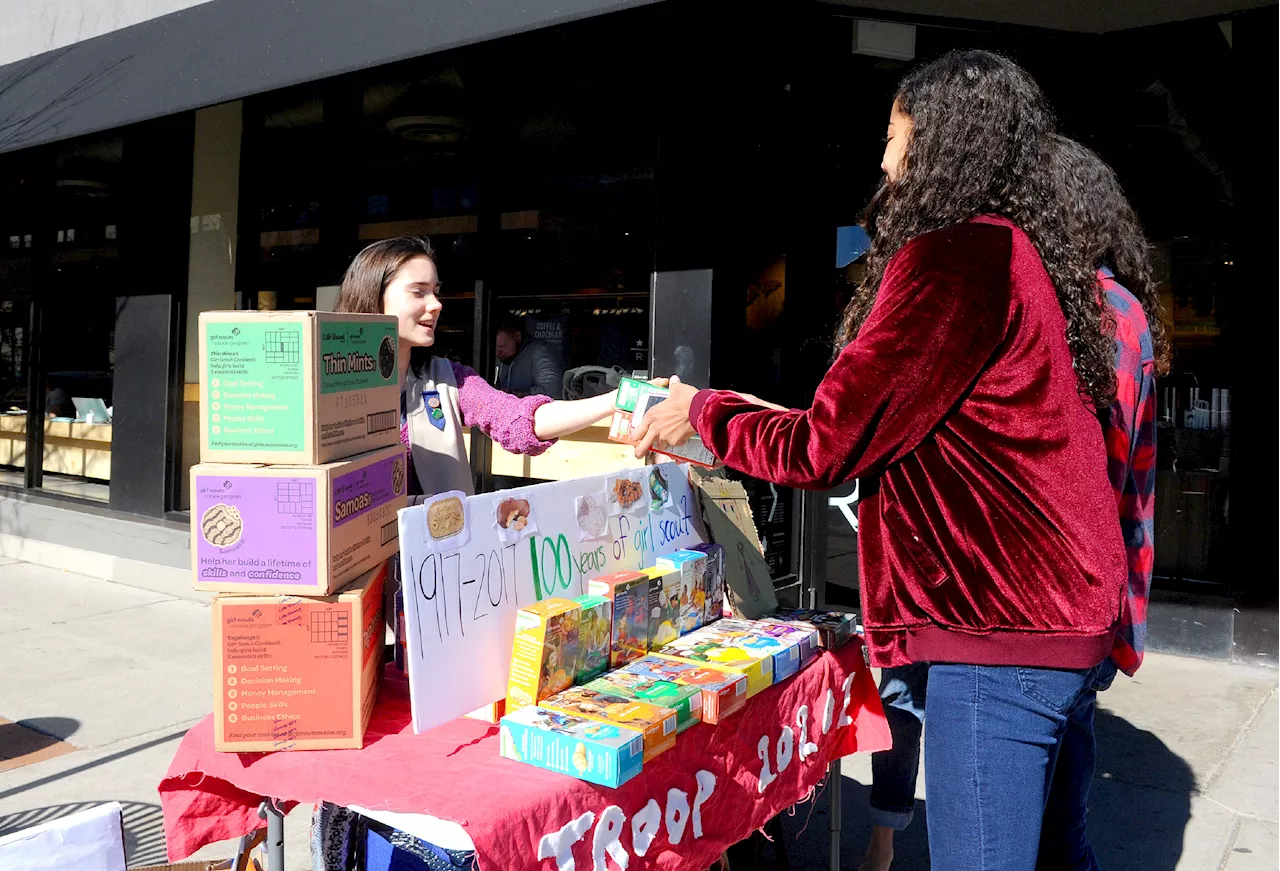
column 435, row 414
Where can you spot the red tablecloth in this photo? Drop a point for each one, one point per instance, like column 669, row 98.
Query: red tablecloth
column 683, row 810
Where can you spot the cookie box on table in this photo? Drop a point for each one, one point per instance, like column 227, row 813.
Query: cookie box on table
column 595, row 626
column 658, row 724
column 305, row 530
column 692, row 569
column 297, row 387
column 787, row 648
column 294, row 673
column 686, row 701
column 544, row 653
column 709, row 648
column 723, row 692
column 629, row 631
column 664, row 605
column 834, row 627
column 714, row 608
column 596, row 752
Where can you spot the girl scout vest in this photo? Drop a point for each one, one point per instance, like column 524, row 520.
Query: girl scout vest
column 435, row 429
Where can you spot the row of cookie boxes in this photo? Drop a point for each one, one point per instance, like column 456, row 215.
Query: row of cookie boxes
column 602, row 732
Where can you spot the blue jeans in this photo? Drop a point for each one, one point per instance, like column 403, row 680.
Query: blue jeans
column 893, row 771
column 994, row 736
column 1064, row 846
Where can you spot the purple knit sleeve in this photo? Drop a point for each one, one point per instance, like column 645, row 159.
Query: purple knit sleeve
column 506, row 419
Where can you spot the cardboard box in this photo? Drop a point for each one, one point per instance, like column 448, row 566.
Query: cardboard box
column 292, row 673
column 629, row 632
column 714, row 553
column 686, row 701
column 297, row 387
column 656, row 723
column 305, row 530
column 596, row 752
column 594, row 643
column 692, row 567
column 634, row 398
column 782, row 644
column 723, row 692
column 709, row 648
column 834, row 627
column 544, row 654
column 664, row 605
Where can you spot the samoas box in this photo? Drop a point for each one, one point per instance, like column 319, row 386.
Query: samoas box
column 629, row 632
column 594, row 628
column 709, row 648
column 664, row 605
column 723, row 692
column 686, row 701
column 658, row 724
column 544, row 654
column 714, row 609
column 692, row 568
column 305, row 530
column 296, row 387
column 598, row 753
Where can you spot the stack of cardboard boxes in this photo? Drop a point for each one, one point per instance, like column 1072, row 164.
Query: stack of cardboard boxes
column 293, row 520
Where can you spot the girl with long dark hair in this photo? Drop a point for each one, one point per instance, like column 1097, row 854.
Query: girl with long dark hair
column 973, row 358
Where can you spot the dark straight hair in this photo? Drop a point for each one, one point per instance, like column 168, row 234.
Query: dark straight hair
column 373, row 269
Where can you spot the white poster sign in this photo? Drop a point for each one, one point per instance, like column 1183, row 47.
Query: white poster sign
column 461, row 600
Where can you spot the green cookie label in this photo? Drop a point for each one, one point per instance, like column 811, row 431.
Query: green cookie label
column 356, row 355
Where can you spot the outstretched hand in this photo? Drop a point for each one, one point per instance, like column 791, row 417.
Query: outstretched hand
column 666, row 423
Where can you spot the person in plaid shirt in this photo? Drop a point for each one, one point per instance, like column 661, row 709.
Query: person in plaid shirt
column 1108, row 231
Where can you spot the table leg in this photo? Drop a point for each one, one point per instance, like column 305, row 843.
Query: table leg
column 275, row 834
column 834, row 782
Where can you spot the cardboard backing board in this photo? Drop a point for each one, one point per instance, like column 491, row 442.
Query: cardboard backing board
column 305, row 530
column 292, row 673
column 726, row 512
column 464, row 585
column 296, row 387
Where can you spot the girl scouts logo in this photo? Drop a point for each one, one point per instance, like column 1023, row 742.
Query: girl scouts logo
column 435, row 414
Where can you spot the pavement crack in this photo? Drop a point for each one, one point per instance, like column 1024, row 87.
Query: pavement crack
column 1231, row 843
column 1239, row 739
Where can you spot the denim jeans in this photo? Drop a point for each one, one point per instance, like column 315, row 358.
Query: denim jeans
column 993, row 737
column 1064, row 846
column 893, row 771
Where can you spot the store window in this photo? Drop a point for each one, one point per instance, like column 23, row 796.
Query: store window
column 17, row 235
column 77, row 341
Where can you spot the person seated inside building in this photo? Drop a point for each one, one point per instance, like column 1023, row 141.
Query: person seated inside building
column 527, row 366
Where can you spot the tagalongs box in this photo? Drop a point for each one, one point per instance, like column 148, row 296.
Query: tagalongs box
column 305, row 530
column 293, row 673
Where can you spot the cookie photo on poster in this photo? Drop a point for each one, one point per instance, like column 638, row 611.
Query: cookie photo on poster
column 514, row 516
column 591, row 511
column 626, row 493
column 446, row 520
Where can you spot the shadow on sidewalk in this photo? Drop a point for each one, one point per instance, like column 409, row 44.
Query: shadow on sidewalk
column 1140, row 802
column 143, row 827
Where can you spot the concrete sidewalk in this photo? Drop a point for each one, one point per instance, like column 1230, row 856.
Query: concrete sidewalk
column 1187, row 752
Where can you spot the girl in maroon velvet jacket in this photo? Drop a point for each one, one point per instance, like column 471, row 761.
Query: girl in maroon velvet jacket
column 973, row 357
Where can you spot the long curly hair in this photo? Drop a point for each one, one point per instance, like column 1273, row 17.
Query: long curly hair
column 1104, row 225
column 978, row 146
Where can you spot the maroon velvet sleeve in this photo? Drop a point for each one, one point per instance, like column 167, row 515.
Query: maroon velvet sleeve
column 942, row 310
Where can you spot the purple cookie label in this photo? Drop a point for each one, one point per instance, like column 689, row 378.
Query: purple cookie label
column 363, row 490
column 256, row 530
